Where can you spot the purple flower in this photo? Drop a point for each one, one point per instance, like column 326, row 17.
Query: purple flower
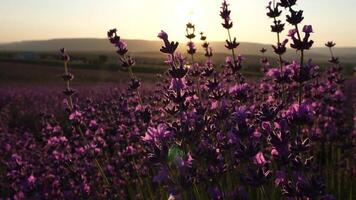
column 240, row 91
column 225, row 15
column 162, row 175
column 280, row 49
column 241, row 114
column 75, row 116
column 280, row 178
column 169, row 47
column 178, row 84
column 234, row 64
column 330, row 44
column 191, row 48
column 127, row 61
column 163, row 35
column 215, row 193
column 259, row 159
column 295, row 17
column 183, row 164
column 302, row 44
column 31, row 180
column 16, row 158
column 281, row 76
column 191, row 45
column 274, row 72
column 303, row 74
column 273, row 12
column 231, row 44
column 339, row 96
column 86, row 187
column 225, row 12
column 301, row 114
column 121, row 44
column 308, row 29
column 65, row 56
column 228, row 60
column 19, row 196
column 160, row 133
column 93, row 125
column 57, row 140
column 122, row 47
column 292, row 32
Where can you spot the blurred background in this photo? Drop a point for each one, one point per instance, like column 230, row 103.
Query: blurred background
column 31, row 36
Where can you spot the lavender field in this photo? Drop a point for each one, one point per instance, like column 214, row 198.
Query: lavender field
column 200, row 130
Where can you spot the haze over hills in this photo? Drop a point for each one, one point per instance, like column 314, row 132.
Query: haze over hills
column 102, row 45
column 140, row 46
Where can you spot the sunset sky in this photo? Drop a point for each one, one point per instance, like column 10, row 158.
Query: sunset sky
column 143, row 19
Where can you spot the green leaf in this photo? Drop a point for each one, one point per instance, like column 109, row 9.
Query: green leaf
column 174, row 152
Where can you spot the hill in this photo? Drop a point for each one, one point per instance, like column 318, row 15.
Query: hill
column 146, row 46
column 102, row 45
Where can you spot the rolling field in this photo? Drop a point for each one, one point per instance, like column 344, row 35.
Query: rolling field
column 14, row 73
column 136, row 119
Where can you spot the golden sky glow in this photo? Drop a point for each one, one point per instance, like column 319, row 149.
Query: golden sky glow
column 143, row 19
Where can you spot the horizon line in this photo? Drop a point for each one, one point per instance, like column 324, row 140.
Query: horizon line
column 148, row 40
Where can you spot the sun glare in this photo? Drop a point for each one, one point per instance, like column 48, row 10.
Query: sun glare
column 191, row 11
column 185, row 10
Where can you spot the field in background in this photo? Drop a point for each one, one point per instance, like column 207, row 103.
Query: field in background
column 18, row 73
column 18, row 68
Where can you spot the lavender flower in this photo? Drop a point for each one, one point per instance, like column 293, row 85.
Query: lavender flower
column 178, row 84
column 154, row 134
column 170, row 47
column 259, row 159
column 225, row 15
column 163, row 36
column 191, row 48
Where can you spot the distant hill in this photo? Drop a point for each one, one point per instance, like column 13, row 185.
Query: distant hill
column 140, row 46
column 80, row 44
column 102, row 45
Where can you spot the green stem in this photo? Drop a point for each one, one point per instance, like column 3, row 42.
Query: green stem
column 138, row 92
column 71, row 107
column 106, row 180
column 264, row 192
column 192, row 55
column 232, row 50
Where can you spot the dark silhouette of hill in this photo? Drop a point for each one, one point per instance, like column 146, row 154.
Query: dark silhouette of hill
column 146, row 46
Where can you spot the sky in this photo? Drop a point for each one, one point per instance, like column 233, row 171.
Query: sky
column 142, row 19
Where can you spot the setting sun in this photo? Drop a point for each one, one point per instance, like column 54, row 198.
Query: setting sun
column 44, row 19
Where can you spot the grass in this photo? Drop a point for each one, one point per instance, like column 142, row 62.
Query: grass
column 14, row 73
